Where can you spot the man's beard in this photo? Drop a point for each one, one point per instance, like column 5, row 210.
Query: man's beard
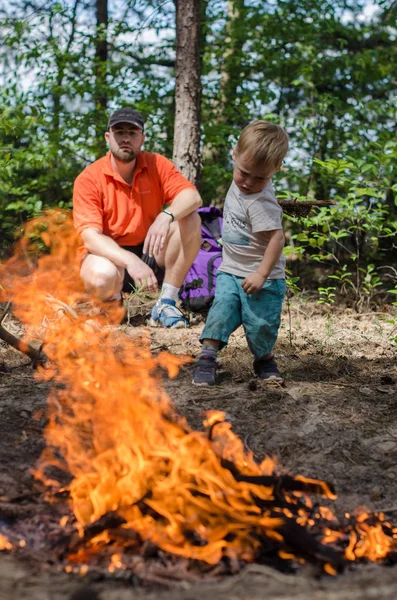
column 123, row 155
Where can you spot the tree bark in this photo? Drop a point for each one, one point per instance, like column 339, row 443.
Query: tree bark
column 225, row 110
column 231, row 70
column 101, row 58
column 186, row 155
column 61, row 59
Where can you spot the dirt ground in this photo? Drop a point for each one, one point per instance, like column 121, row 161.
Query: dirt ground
column 335, row 418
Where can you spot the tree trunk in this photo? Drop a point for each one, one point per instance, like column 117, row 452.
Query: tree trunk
column 101, row 57
column 230, row 77
column 231, row 71
column 186, row 155
column 61, row 58
column 225, row 111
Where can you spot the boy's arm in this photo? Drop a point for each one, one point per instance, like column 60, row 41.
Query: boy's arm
column 274, row 249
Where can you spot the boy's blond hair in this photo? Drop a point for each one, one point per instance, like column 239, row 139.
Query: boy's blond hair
column 265, row 143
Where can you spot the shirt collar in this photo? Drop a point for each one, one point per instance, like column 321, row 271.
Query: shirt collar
column 141, row 163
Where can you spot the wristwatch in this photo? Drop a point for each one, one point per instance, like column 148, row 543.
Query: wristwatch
column 169, row 213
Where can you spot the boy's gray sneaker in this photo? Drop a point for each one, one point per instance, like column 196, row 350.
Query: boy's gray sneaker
column 205, row 371
column 267, row 370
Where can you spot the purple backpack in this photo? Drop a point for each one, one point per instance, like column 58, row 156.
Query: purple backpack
column 198, row 290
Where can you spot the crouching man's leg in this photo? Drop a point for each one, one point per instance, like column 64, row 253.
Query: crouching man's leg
column 176, row 259
column 101, row 277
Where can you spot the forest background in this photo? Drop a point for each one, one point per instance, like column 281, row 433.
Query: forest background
column 326, row 71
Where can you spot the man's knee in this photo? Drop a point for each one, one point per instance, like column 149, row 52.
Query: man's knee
column 100, row 276
column 190, row 226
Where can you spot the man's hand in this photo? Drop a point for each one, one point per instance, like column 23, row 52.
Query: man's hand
column 253, row 283
column 157, row 234
column 142, row 275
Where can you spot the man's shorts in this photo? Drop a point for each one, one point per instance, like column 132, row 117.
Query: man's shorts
column 259, row 313
column 159, row 272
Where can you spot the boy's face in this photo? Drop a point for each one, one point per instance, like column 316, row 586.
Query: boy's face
column 249, row 178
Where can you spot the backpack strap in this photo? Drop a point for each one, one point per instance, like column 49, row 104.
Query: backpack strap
column 210, row 271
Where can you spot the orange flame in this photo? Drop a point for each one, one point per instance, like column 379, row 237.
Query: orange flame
column 368, row 540
column 114, row 429
column 4, row 543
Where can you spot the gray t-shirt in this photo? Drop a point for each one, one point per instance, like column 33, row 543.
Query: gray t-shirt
column 246, row 221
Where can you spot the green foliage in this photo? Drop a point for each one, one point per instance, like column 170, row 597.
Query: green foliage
column 329, row 79
column 353, row 239
column 49, row 134
column 292, row 283
column 326, row 295
column 33, row 174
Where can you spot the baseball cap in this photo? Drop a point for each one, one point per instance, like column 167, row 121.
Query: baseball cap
column 126, row 115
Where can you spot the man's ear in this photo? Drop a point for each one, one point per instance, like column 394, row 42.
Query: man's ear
column 107, row 134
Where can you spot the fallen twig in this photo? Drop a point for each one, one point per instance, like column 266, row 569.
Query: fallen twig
column 16, row 511
column 296, row 202
column 19, row 376
column 301, row 208
column 62, row 306
column 256, row 570
column 340, row 384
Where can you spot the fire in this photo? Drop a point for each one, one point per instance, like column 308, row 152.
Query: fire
column 367, row 540
column 115, row 563
column 113, row 430
column 4, row 543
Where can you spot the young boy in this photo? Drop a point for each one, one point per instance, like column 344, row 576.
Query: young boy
column 250, row 284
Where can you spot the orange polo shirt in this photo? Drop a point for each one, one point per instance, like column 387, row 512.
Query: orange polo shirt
column 123, row 211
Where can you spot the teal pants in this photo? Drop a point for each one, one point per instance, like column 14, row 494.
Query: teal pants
column 259, row 313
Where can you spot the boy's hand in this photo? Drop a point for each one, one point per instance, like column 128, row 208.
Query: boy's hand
column 253, row 283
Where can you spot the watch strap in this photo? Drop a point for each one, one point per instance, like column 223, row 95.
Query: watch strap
column 169, row 213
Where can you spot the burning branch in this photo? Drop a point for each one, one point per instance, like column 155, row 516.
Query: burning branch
column 37, row 356
column 107, row 522
column 283, row 483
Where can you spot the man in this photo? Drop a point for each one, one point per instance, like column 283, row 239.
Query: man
column 136, row 215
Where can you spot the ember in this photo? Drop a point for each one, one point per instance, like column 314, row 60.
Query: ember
column 141, row 479
column 4, row 543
